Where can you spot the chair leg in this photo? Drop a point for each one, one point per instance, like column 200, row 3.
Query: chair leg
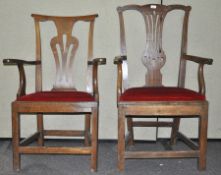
column 121, row 140
column 203, row 125
column 94, row 139
column 40, row 128
column 130, row 131
column 15, row 141
column 175, row 129
column 87, row 130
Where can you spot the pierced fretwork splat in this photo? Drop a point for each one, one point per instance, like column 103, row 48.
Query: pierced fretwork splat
column 153, row 56
column 64, row 47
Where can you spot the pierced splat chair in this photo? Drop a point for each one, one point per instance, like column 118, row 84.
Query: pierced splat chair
column 64, row 98
column 154, row 99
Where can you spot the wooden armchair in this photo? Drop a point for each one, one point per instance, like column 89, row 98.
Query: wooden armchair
column 154, row 100
column 64, row 98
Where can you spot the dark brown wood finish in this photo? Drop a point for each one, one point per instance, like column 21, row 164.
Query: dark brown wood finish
column 153, row 59
column 64, row 63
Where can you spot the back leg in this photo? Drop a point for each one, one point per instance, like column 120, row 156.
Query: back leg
column 130, row 131
column 15, row 141
column 175, row 129
column 87, row 129
column 40, row 128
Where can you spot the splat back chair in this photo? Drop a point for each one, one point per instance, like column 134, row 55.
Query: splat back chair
column 64, row 98
column 154, row 99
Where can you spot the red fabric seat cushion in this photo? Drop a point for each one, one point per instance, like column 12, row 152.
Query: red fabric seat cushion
column 67, row 96
column 160, row 94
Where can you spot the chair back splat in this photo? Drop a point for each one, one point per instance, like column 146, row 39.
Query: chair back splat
column 64, row 47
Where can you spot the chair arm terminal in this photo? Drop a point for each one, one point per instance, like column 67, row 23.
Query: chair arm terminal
column 120, row 59
column 98, row 61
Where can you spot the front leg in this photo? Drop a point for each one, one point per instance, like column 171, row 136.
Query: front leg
column 16, row 140
column 94, row 139
column 203, row 125
column 121, row 139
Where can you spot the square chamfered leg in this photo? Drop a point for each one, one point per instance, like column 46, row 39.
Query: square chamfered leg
column 40, row 128
column 94, row 139
column 121, row 140
column 174, row 131
column 16, row 140
column 130, row 131
column 203, row 126
column 87, row 130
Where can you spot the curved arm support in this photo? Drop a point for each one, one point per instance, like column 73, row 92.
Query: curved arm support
column 22, row 76
column 119, row 61
column 95, row 62
column 201, row 80
column 201, row 61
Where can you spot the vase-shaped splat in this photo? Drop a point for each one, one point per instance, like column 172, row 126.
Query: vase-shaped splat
column 64, row 47
column 153, row 57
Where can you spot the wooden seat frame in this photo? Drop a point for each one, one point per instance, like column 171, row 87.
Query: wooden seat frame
column 64, row 26
column 127, row 110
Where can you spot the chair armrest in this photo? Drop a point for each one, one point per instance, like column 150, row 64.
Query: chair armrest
column 119, row 59
column 9, row 61
column 199, row 60
column 22, row 76
column 95, row 62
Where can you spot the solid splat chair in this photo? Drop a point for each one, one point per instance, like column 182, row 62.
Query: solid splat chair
column 64, row 98
column 155, row 100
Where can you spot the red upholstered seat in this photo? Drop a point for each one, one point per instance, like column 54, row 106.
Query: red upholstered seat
column 67, row 96
column 160, row 94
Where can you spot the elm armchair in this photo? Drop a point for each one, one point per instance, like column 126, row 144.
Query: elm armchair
column 64, row 98
column 153, row 100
